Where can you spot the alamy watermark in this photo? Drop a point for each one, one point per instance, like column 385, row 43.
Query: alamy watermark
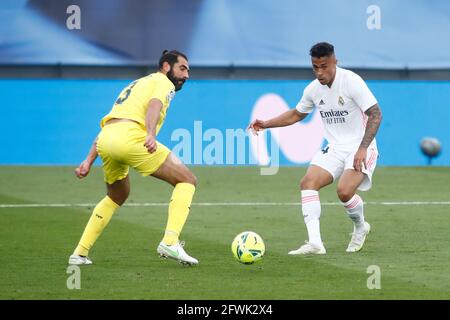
column 74, row 19
column 74, row 278
column 374, row 19
column 232, row 147
column 374, row 280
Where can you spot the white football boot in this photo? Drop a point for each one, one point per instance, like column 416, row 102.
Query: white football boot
column 176, row 252
column 309, row 248
column 358, row 238
column 79, row 260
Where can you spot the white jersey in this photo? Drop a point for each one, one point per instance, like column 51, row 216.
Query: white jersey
column 342, row 108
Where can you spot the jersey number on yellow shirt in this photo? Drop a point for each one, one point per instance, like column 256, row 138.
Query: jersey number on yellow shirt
column 126, row 94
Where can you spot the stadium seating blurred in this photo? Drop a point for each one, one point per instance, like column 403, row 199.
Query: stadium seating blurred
column 224, row 33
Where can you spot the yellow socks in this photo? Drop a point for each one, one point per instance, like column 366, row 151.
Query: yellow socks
column 98, row 221
column 178, row 211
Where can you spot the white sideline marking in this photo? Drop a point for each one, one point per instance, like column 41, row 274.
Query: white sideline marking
column 218, row 204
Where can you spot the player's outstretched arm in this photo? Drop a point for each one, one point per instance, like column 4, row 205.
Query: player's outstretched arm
column 285, row 119
column 373, row 123
column 85, row 166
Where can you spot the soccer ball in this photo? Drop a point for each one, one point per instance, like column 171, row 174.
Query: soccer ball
column 248, row 247
column 431, row 147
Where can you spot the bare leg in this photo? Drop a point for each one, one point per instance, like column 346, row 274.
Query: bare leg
column 316, row 178
column 119, row 190
column 174, row 171
column 348, row 184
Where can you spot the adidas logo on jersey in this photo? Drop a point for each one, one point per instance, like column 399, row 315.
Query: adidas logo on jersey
column 321, row 103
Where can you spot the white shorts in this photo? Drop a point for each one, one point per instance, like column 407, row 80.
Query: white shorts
column 336, row 161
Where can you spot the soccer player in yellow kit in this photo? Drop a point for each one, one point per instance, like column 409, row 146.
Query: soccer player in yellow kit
column 128, row 139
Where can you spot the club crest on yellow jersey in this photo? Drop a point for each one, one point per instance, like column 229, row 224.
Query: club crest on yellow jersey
column 170, row 96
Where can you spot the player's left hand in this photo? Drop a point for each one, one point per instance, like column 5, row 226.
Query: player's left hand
column 360, row 159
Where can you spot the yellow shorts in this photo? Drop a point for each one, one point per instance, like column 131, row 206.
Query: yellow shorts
column 121, row 146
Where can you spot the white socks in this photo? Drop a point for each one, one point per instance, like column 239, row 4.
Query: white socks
column 355, row 211
column 311, row 215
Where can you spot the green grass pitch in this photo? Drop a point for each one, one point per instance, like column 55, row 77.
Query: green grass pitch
column 409, row 242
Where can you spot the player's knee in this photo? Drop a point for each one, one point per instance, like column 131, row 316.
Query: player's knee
column 119, row 196
column 308, row 184
column 191, row 178
column 126, row 193
column 118, row 199
column 185, row 177
column 344, row 194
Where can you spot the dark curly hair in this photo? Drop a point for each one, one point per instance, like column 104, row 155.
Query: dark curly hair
column 170, row 57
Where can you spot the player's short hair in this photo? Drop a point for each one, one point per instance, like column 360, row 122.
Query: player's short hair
column 171, row 57
column 321, row 49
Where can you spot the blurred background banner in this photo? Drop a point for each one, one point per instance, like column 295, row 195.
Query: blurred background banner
column 55, row 121
column 367, row 34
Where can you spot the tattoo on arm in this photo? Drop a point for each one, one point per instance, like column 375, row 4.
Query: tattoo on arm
column 373, row 123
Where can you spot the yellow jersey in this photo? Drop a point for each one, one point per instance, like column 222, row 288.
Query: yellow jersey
column 132, row 102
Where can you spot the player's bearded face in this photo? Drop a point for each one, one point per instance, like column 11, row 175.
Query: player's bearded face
column 177, row 81
column 179, row 73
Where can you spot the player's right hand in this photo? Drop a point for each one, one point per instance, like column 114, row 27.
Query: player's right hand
column 83, row 169
column 256, row 125
column 150, row 143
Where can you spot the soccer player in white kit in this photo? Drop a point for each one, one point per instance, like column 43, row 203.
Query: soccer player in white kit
column 351, row 118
